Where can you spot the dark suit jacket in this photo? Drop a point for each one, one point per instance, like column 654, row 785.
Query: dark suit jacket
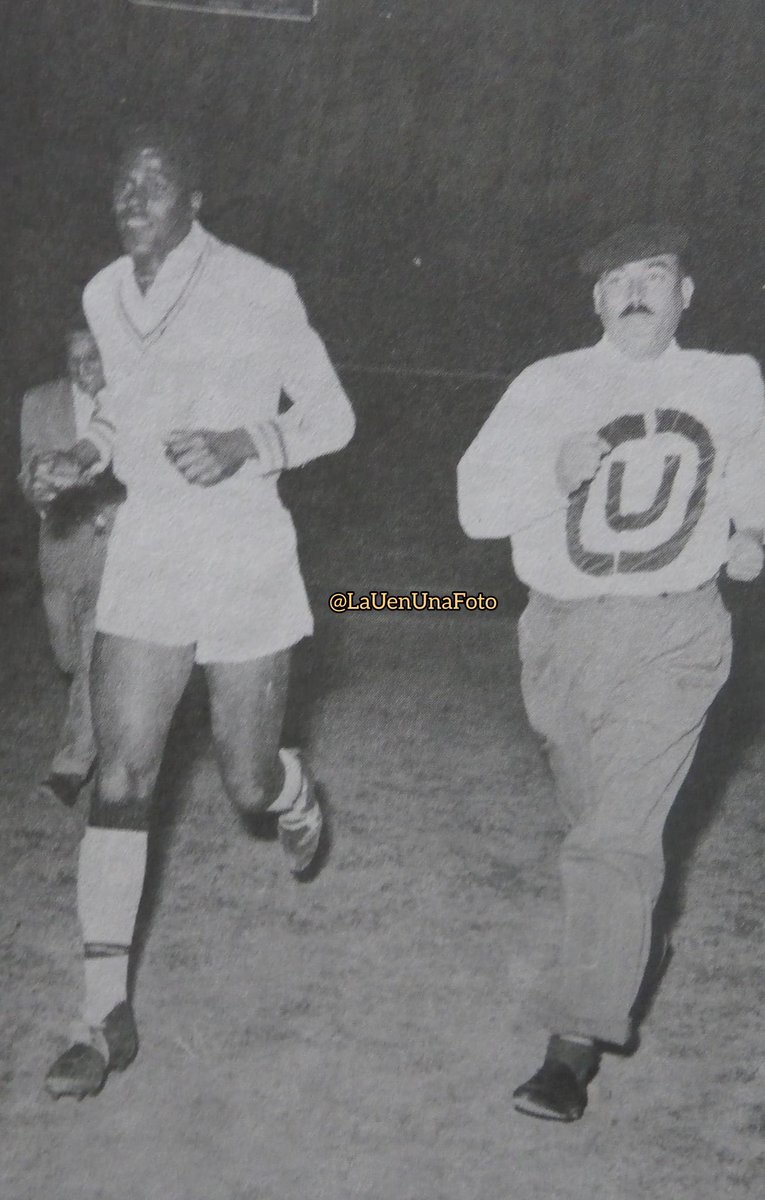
column 78, row 522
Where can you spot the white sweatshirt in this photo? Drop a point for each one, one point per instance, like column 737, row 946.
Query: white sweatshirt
column 688, row 458
column 214, row 343
column 218, row 340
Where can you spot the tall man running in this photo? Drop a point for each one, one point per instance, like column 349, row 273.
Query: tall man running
column 626, row 475
column 200, row 342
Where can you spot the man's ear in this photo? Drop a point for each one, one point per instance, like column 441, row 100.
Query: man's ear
column 687, row 288
column 196, row 202
column 596, row 294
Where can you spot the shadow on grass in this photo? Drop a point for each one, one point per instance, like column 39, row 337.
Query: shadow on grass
column 735, row 723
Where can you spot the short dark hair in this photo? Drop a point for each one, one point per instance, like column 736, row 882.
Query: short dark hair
column 176, row 145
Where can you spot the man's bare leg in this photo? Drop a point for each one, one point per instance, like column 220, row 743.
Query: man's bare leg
column 136, row 687
column 247, row 702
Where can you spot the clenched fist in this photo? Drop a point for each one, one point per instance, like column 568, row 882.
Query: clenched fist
column 578, row 460
column 52, row 474
column 745, row 555
column 206, row 456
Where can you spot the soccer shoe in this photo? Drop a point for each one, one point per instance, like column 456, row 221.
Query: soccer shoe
column 82, row 1070
column 300, row 827
column 554, row 1093
column 63, row 787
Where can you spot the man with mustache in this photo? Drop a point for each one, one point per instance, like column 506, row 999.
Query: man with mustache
column 627, row 476
column 215, row 384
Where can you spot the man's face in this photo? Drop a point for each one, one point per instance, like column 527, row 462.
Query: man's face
column 153, row 210
column 84, row 362
column 640, row 304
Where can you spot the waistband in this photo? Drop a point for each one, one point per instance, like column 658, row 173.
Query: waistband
column 543, row 599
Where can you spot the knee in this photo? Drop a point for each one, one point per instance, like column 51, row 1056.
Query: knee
column 251, row 796
column 251, row 781
column 122, row 797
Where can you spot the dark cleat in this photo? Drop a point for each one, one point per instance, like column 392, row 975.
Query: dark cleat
column 82, row 1070
column 63, row 788
column 554, row 1093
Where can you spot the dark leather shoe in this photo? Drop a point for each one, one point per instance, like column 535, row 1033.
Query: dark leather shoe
column 554, row 1093
column 64, row 788
column 82, row 1070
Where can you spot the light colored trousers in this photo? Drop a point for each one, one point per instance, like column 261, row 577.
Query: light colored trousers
column 71, row 574
column 619, row 688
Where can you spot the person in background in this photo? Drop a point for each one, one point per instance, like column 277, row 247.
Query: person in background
column 74, row 531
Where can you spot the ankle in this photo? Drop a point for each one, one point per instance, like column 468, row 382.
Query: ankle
column 578, row 1053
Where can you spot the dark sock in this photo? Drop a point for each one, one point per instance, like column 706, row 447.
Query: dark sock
column 581, row 1057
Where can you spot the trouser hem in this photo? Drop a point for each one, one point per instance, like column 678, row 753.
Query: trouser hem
column 612, row 1032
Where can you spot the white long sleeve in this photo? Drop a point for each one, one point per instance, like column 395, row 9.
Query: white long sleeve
column 319, row 419
column 687, row 437
column 506, row 477
column 745, row 469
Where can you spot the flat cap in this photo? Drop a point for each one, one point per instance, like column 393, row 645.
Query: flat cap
column 632, row 244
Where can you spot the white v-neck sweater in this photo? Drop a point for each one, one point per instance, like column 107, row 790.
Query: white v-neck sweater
column 214, row 343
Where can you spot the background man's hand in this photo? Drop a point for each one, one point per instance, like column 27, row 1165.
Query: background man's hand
column 745, row 555
column 578, row 460
column 206, row 456
column 53, row 474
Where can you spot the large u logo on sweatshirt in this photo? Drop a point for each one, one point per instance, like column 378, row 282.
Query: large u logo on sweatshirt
column 632, row 428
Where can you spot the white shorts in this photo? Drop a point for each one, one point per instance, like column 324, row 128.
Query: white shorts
column 234, row 598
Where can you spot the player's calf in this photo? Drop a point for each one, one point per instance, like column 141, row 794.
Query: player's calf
column 110, row 876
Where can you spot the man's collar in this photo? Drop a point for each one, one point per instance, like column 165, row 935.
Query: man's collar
column 182, row 258
column 607, row 346
column 148, row 314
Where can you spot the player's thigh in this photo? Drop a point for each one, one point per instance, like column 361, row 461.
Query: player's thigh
column 247, row 703
column 135, row 688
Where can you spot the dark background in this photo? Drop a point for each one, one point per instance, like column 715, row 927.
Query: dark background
column 428, row 171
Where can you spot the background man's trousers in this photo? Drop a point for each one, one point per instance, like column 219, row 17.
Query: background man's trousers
column 70, row 570
column 619, row 688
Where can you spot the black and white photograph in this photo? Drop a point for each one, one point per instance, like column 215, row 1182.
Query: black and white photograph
column 381, row 559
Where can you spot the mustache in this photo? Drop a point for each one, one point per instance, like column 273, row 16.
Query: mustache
column 636, row 309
